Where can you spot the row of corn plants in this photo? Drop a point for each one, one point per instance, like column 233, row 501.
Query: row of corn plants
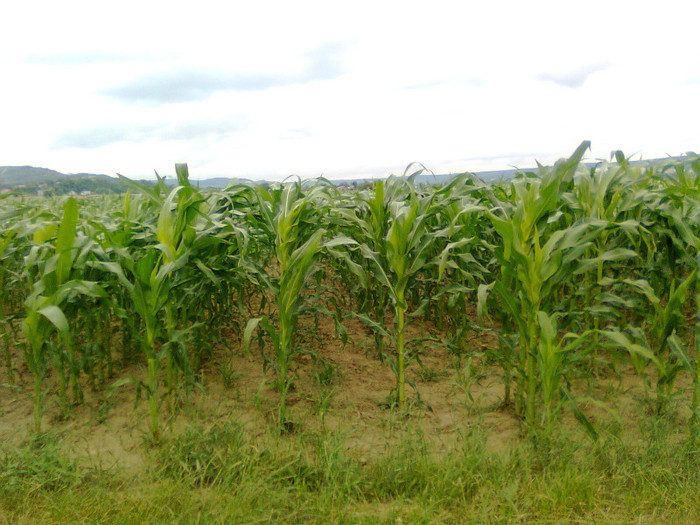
column 578, row 268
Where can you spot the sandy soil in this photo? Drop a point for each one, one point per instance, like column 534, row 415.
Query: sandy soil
column 112, row 431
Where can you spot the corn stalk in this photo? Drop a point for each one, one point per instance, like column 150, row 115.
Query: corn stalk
column 538, row 256
column 288, row 220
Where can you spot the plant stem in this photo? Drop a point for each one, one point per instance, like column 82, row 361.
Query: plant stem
column 153, row 398
column 7, row 355
column 152, row 381
column 531, row 372
column 694, row 417
column 400, row 364
column 38, row 407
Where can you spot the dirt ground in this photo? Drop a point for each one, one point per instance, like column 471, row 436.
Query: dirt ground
column 111, row 432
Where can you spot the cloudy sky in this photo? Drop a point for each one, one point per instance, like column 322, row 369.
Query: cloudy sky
column 267, row 89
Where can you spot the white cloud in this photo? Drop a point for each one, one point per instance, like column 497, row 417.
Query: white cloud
column 266, row 89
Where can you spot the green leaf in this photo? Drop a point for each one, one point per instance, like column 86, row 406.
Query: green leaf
column 250, row 327
column 339, row 240
column 623, row 341
column 442, row 259
column 207, row 271
column 680, row 352
column 547, row 326
column 482, row 297
column 183, row 175
column 66, row 240
column 377, row 327
column 152, row 192
column 56, row 316
column 578, row 414
column 41, row 235
column 78, row 287
column 616, row 254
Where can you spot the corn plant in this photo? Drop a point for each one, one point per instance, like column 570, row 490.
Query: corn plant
column 214, row 281
column 663, row 346
column 50, row 288
column 373, row 294
column 684, row 213
column 466, row 259
column 150, row 281
column 148, row 289
column 288, row 218
column 604, row 193
column 538, row 256
column 396, row 237
column 6, row 241
column 565, row 258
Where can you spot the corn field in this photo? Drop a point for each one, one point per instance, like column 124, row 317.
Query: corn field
column 580, row 269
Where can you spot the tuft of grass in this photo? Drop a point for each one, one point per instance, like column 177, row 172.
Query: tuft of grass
column 218, row 474
column 203, row 457
column 325, row 373
column 39, row 465
column 229, row 376
column 430, row 375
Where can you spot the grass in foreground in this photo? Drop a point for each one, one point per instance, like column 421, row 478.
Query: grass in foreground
column 220, row 475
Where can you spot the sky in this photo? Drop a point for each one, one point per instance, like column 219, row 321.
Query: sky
column 268, row 89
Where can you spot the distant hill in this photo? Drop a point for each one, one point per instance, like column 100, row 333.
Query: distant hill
column 32, row 180
column 49, row 182
column 44, row 181
column 15, row 175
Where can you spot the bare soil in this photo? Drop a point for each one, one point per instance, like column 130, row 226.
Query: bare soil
column 110, row 431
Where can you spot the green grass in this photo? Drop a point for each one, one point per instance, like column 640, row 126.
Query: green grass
column 220, row 474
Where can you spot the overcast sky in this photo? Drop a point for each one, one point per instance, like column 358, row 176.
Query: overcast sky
column 266, row 89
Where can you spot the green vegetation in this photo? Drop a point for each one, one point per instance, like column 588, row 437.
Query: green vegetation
column 42, row 181
column 220, row 475
column 562, row 283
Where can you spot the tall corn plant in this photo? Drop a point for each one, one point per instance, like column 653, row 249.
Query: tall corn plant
column 681, row 190
column 538, row 256
column 466, row 258
column 659, row 297
column 688, row 226
column 604, row 193
column 372, row 294
column 148, row 289
column 7, row 239
column 50, row 268
column 215, row 280
column 177, row 235
column 18, row 224
column 662, row 347
column 396, row 236
column 288, row 219
column 150, row 277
